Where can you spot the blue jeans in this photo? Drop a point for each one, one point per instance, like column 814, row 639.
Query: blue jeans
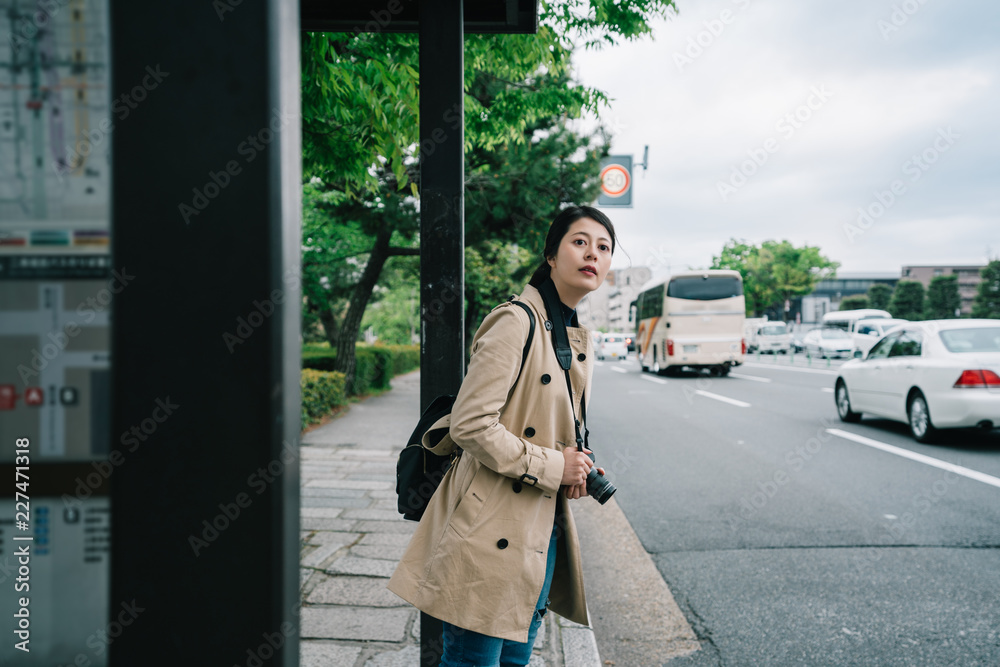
column 465, row 648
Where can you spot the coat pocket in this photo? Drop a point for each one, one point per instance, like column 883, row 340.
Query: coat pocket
column 484, row 482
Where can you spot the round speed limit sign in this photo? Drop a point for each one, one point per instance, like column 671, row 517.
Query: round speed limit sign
column 615, row 180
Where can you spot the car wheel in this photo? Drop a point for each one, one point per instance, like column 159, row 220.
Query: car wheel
column 921, row 426
column 844, row 404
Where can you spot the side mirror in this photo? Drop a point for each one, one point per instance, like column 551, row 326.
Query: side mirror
column 858, row 354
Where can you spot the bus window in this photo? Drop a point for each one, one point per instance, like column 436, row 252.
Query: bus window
column 705, row 289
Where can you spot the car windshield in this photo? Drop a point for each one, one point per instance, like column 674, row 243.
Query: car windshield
column 833, row 333
column 614, row 339
column 773, row 330
column 979, row 339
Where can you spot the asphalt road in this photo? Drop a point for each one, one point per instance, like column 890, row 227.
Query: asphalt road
column 787, row 544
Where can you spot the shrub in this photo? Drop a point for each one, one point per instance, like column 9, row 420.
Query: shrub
column 321, row 392
column 374, row 365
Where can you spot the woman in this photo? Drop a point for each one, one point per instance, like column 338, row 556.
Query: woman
column 497, row 543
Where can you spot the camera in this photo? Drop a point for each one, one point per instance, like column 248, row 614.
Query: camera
column 599, row 486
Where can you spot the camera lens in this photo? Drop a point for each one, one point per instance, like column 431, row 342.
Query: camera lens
column 599, row 487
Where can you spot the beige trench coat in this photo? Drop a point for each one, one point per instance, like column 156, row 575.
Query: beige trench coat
column 477, row 558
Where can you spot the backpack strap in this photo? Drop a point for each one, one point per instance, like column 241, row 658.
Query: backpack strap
column 531, row 334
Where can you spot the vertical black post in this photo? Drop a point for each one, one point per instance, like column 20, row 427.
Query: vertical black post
column 442, row 220
column 205, row 338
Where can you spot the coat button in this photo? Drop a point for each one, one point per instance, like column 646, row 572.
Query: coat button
column 502, row 544
column 581, row 356
column 546, row 378
column 517, row 487
column 528, row 432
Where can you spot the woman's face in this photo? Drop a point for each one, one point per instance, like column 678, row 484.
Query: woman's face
column 582, row 260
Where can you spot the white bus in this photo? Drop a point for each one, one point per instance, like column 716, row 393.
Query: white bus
column 848, row 319
column 694, row 319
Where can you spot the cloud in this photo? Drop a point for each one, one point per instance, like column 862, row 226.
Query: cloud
column 740, row 107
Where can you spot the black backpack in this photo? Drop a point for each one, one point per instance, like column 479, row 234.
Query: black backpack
column 419, row 471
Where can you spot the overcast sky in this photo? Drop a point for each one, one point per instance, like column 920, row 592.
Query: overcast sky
column 775, row 119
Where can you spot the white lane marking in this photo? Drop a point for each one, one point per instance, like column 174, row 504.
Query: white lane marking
column 598, row 363
column 755, row 378
column 724, row 399
column 656, row 380
column 920, row 458
column 790, row 368
column 618, row 370
column 828, row 390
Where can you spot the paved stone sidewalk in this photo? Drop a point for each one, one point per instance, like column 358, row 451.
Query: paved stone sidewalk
column 352, row 538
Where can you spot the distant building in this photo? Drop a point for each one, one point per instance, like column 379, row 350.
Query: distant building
column 828, row 294
column 607, row 307
column 968, row 279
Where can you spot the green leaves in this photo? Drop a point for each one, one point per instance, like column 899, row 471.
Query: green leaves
column 987, row 301
column 774, row 271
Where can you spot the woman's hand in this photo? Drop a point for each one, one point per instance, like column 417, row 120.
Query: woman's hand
column 576, row 465
column 579, row 490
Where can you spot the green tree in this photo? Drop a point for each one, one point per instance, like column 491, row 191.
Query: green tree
column 879, row 295
column 987, row 301
column 393, row 313
column 361, row 145
column 854, row 302
column 797, row 270
column 943, row 299
column 908, row 300
column 758, row 283
column 774, row 271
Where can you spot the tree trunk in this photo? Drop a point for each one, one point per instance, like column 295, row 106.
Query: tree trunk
column 330, row 328
column 348, row 333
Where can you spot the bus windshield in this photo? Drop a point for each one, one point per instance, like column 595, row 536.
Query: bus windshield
column 700, row 288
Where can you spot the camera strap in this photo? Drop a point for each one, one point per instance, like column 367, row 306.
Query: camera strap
column 564, row 353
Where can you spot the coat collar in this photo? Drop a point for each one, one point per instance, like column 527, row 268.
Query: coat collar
column 533, row 297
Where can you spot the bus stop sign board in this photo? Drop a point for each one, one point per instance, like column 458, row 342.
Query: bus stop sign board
column 616, row 182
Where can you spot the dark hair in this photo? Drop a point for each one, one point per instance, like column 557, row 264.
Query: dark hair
column 557, row 230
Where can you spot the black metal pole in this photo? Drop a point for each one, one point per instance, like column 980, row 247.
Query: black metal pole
column 442, row 231
column 205, row 340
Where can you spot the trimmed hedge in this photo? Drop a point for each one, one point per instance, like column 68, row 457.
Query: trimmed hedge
column 374, row 367
column 321, row 392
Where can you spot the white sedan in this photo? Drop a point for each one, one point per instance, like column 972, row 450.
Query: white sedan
column 828, row 342
column 931, row 375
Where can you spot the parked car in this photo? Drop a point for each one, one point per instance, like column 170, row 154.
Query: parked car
column 828, row 342
column 869, row 331
column 612, row 345
column 771, row 337
column 931, row 375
